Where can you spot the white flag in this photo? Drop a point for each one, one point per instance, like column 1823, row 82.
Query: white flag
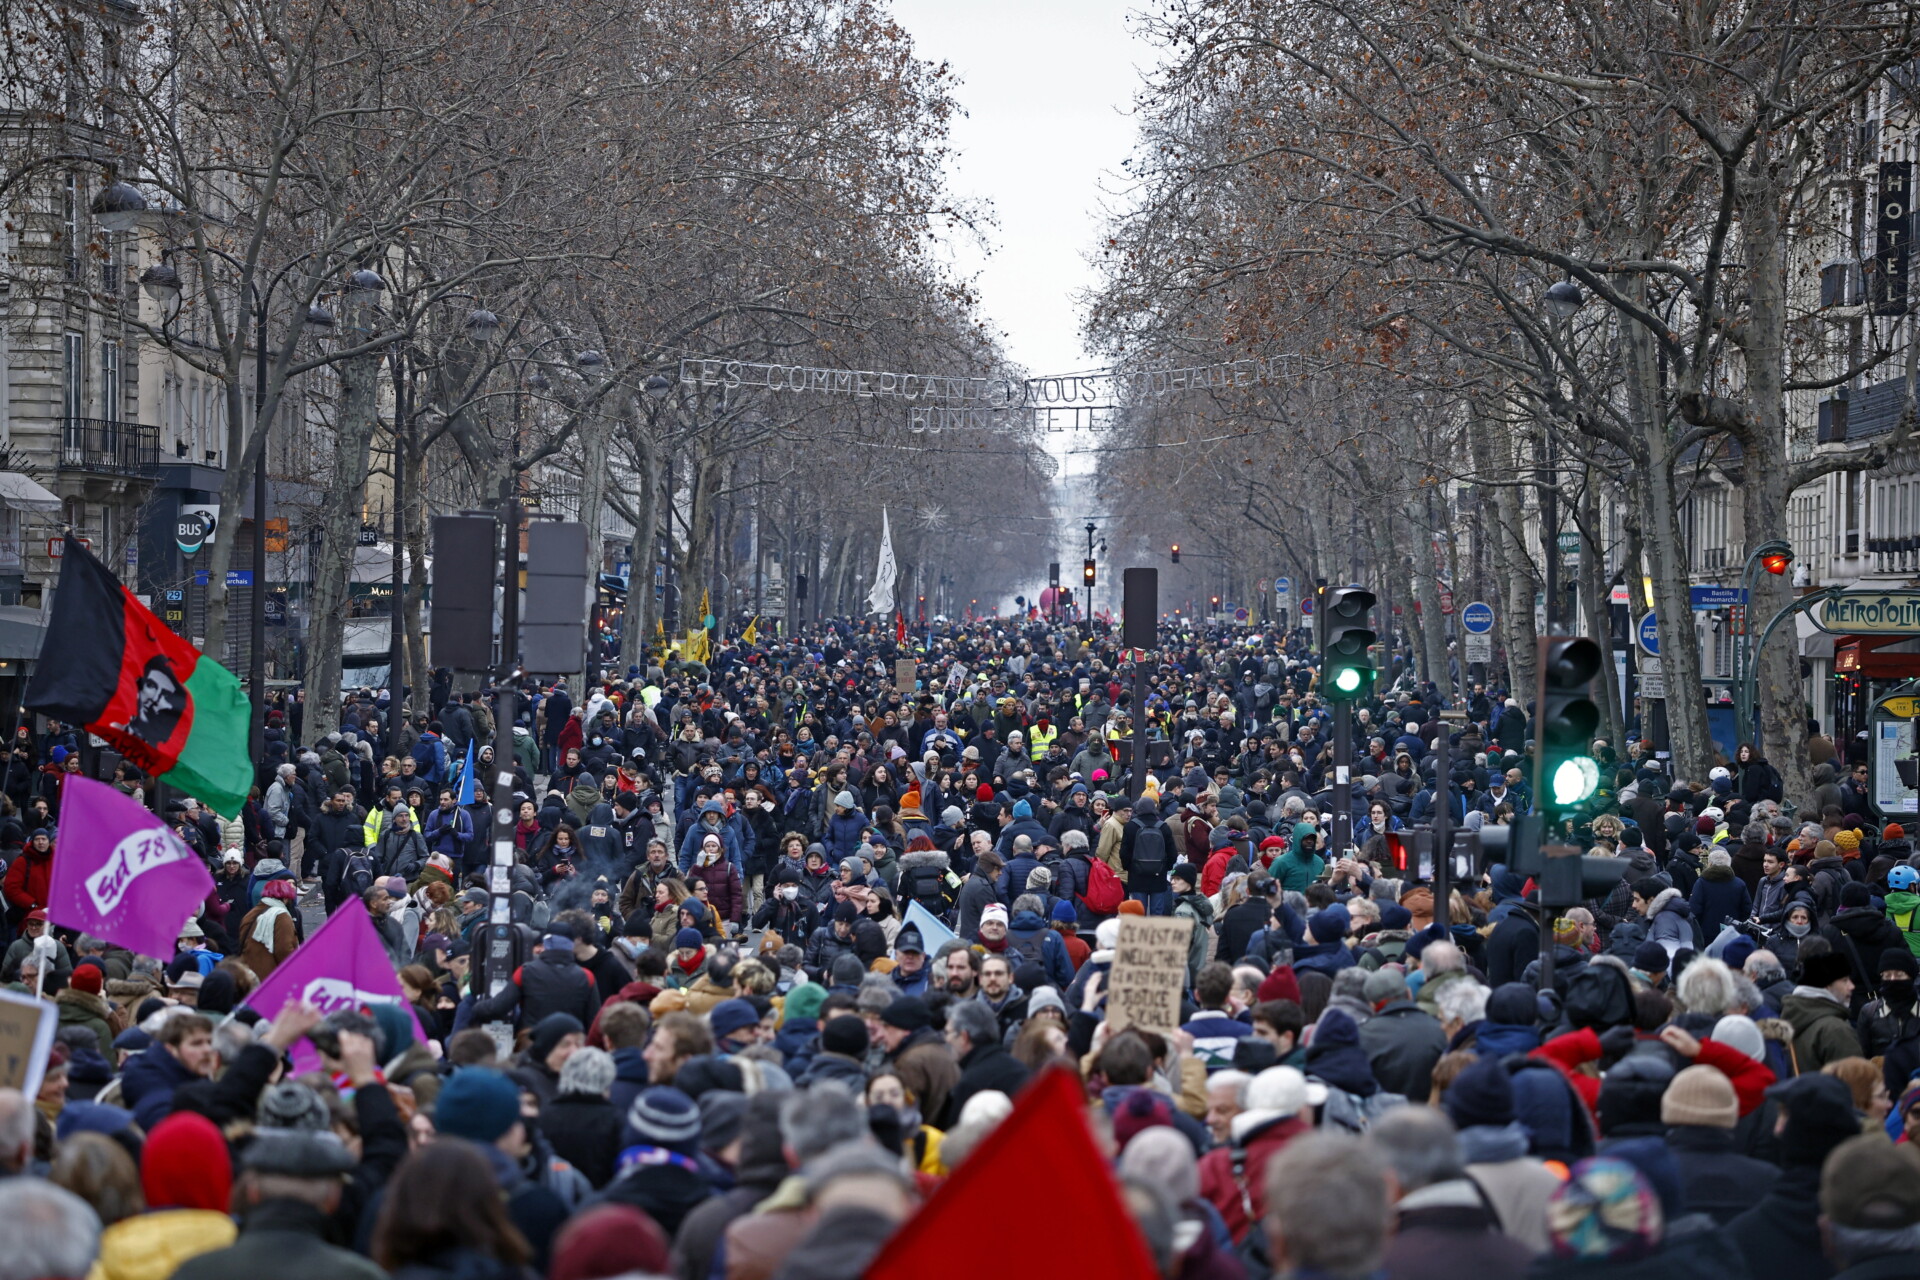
column 880, row 599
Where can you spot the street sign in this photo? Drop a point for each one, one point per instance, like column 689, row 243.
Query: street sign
column 239, row 577
column 1871, row 613
column 1262, row 588
column 1649, row 633
column 1306, row 606
column 55, row 546
column 1653, row 686
column 1620, row 595
column 1707, row 599
column 1240, row 615
column 197, row 526
column 1479, row 647
column 1477, row 618
column 1569, row 541
column 1283, row 585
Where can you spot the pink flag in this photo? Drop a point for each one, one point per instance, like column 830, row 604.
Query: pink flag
column 342, row 966
column 120, row 873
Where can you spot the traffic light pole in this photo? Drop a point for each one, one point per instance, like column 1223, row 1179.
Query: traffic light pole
column 1342, row 824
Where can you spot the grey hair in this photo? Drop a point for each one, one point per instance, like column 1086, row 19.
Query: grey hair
column 1764, row 966
column 588, row 1071
column 877, row 991
column 1351, row 981
column 819, row 1118
column 1441, row 957
column 50, row 1231
column 1462, row 1001
column 1237, row 1080
column 974, row 1021
column 1746, row 995
column 1028, row 901
column 1706, row 986
column 16, row 1125
column 1327, row 1201
column 1754, row 831
column 230, row 1037
column 1419, row 1144
column 1164, row 1157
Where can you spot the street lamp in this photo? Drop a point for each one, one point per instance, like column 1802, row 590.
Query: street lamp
column 1776, row 557
column 118, row 207
column 365, row 285
column 482, row 324
column 1564, row 300
column 590, row 360
column 161, row 282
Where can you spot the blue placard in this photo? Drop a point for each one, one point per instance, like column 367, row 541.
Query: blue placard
column 239, row 577
column 1477, row 618
column 1705, row 599
column 1284, row 586
column 1650, row 634
column 199, row 577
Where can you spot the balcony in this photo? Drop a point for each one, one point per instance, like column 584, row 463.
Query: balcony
column 104, row 446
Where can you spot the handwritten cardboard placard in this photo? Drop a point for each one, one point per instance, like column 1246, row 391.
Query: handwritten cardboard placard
column 26, row 1035
column 1149, row 973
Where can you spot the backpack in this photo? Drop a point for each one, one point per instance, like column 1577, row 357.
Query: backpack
column 1827, row 884
column 1353, row 1113
column 1149, row 852
column 926, row 885
column 1104, row 892
column 359, row 877
column 1030, row 948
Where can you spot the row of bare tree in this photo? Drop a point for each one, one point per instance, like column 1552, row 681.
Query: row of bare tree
column 549, row 206
column 1385, row 190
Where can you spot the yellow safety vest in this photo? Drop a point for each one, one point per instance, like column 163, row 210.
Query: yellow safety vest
column 1041, row 740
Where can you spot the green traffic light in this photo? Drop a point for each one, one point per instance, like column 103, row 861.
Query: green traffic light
column 1347, row 680
column 1575, row 779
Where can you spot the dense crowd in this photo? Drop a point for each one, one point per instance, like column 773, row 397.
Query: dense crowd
column 790, row 941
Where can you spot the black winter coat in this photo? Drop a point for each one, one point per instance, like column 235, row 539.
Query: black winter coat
column 1714, row 1178
column 989, row 1066
column 584, row 1130
column 1780, row 1235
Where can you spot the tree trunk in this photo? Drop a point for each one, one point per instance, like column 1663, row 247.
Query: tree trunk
column 1434, row 639
column 1659, row 504
column 339, row 538
column 1594, row 596
column 413, row 612
column 637, row 623
column 1764, row 480
column 695, row 561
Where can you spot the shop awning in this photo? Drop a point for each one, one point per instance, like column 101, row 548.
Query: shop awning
column 21, row 633
column 23, row 493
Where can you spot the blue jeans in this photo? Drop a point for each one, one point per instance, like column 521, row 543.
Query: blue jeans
column 1158, row 904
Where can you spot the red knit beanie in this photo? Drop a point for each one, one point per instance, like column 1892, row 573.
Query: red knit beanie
column 185, row 1165
column 1280, row 985
column 86, row 977
column 609, row 1240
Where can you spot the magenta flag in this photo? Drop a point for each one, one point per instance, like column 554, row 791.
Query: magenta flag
column 342, row 966
column 120, row 873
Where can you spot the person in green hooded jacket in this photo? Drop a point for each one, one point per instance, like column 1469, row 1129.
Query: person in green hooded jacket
column 1301, row 864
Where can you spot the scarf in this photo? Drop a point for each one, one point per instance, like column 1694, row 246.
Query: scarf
column 264, row 922
column 690, row 965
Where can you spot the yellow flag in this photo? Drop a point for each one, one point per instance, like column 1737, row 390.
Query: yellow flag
column 705, row 606
column 752, row 634
column 694, row 648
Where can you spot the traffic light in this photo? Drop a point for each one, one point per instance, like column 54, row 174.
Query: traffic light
column 1347, row 668
column 1086, row 572
column 1776, row 557
column 1176, row 553
column 1568, row 719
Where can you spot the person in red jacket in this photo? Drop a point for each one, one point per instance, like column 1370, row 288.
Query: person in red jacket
column 30, row 879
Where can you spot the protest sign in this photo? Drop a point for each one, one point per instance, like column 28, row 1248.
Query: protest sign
column 342, row 966
column 26, row 1035
column 933, row 932
column 1149, row 973
column 122, row 874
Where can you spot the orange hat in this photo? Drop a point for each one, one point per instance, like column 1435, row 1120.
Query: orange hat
column 1894, row 831
column 1133, row 907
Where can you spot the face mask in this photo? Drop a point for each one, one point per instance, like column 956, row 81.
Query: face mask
column 1798, row 929
column 790, row 892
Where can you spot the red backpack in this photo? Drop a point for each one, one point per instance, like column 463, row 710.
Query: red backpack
column 1104, row 892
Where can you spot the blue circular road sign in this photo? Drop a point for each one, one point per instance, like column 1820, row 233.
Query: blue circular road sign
column 1650, row 634
column 1477, row 618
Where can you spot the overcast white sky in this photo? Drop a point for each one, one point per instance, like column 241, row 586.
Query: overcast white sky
column 1046, row 85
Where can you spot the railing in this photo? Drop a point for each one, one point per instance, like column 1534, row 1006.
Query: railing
column 105, row 445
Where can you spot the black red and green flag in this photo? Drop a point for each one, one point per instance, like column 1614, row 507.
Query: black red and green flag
column 109, row 665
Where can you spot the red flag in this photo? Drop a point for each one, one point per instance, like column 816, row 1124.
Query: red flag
column 899, row 627
column 1044, row 1143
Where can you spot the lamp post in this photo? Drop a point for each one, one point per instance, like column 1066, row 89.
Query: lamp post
column 1776, row 557
column 162, row 283
column 1563, row 301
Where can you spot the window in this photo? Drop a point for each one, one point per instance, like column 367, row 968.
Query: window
column 74, row 383
column 70, row 224
column 1849, row 513
column 110, row 380
column 1707, row 531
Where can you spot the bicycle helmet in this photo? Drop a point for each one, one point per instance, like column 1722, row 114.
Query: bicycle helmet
column 1903, row 877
